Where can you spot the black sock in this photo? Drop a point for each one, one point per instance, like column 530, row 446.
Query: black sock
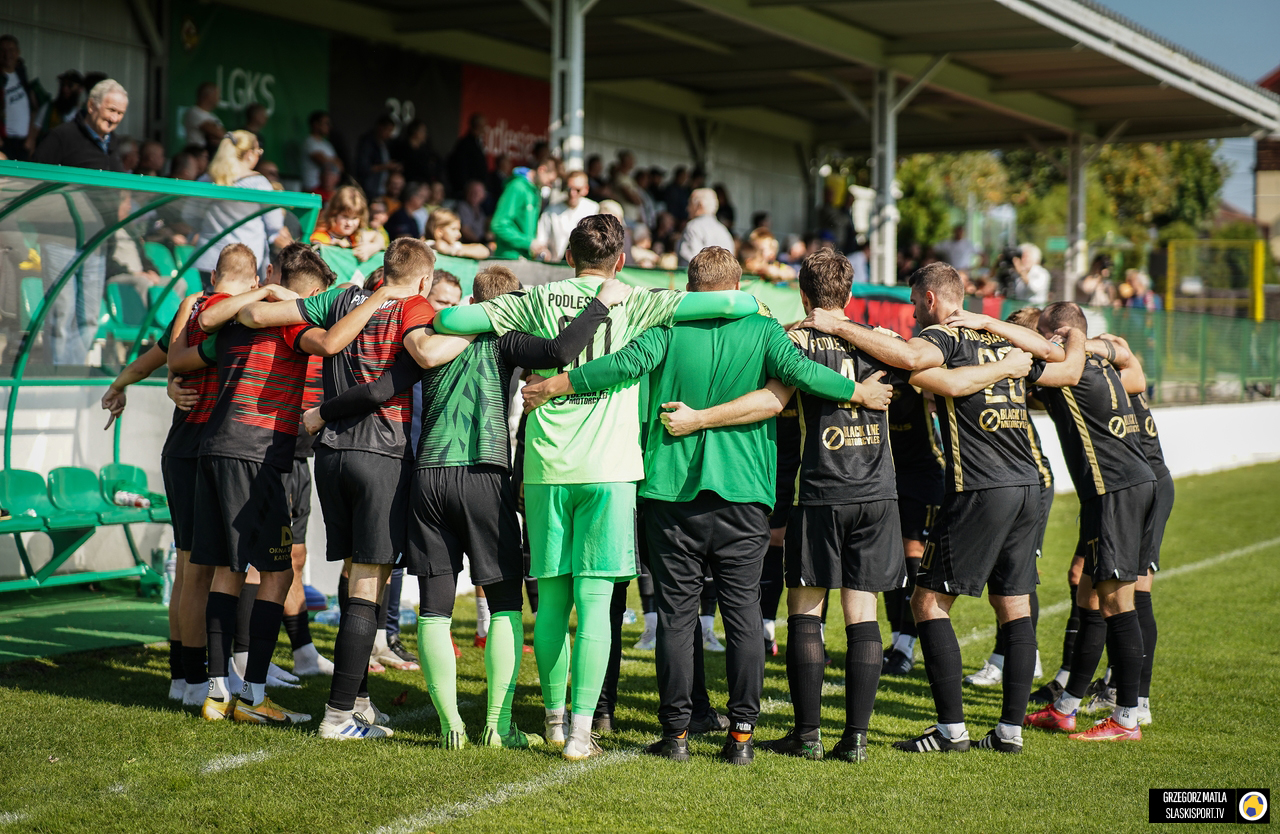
column 609, row 690
column 1087, row 652
column 804, row 672
column 708, row 598
column 1000, row 647
column 1019, row 669
column 942, row 665
column 893, row 609
column 1124, row 647
column 861, row 674
column 264, row 633
column 248, row 594
column 1147, row 617
column 220, row 626
column 351, row 652
column 531, row 591
column 175, row 660
column 1035, row 610
column 193, row 668
column 772, row 583
column 1073, row 629
column 344, row 586
column 298, row 627
column 907, row 618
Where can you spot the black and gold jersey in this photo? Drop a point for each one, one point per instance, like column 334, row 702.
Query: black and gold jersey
column 844, row 449
column 1037, row 453
column 986, row 436
column 1098, row 431
column 916, row 446
column 1149, row 436
column 788, row 451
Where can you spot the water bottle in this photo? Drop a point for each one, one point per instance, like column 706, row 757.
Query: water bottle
column 131, row 499
column 628, row 617
column 170, row 571
column 329, row 616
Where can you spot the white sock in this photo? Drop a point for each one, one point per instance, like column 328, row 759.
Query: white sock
column 906, row 644
column 241, row 662
column 770, row 629
column 953, row 732
column 1066, row 704
column 893, row 637
column 253, row 692
column 651, row 622
column 1144, row 704
column 557, row 713
column 307, row 652
column 1062, row 677
column 482, row 616
column 996, row 660
column 708, row 621
column 1125, row 717
column 822, row 630
column 580, row 727
column 218, row 689
column 1008, row 732
column 1106, row 677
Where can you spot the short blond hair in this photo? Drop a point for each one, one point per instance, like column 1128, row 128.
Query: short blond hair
column 714, row 268
column 408, row 259
column 493, row 281
column 237, row 261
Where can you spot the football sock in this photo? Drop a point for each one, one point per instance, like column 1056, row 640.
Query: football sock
column 1087, row 652
column 343, row 594
column 592, row 597
column 609, row 687
column 175, row 660
column 482, row 616
column 440, row 669
column 220, row 626
column 905, row 643
column 772, row 583
column 299, row 630
column 998, row 651
column 1008, row 732
column 1019, row 669
column 1072, row 629
column 893, row 610
column 771, row 629
column 651, row 622
column 906, row 619
column 219, row 688
column 1147, row 617
column 1035, row 609
column 804, row 672
column 708, row 621
column 351, row 651
column 502, row 666
column 943, row 667
column 1062, row 677
column 244, row 614
column 954, row 730
column 862, row 661
column 193, row 668
column 1124, row 647
column 264, row 631
column 551, row 639
column 253, row 693
column 580, row 727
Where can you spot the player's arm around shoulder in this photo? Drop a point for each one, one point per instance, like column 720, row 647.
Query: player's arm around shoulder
column 1066, row 372
column 912, row 355
column 970, row 379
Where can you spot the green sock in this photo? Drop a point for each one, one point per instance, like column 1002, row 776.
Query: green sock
column 592, row 596
column 502, row 666
column 551, row 638
column 440, row 669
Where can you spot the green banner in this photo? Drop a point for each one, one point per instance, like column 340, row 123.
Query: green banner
column 252, row 58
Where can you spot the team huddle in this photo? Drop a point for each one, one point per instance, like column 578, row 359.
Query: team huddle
column 681, row 435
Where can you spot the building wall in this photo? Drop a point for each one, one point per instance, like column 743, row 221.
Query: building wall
column 86, row 35
column 1267, row 190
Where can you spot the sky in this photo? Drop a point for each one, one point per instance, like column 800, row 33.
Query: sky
column 1240, row 36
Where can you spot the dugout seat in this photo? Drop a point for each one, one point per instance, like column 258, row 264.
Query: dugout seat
column 117, row 476
column 76, row 490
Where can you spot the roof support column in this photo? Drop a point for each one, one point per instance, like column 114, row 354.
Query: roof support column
column 1077, row 240
column 568, row 46
column 884, row 224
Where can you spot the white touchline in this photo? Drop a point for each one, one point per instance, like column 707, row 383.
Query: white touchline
column 12, row 817
column 231, row 762
column 1061, row 607
column 501, row 794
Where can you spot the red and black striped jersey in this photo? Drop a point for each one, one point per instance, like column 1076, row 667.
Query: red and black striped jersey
column 386, row 431
column 312, row 397
column 259, row 402
column 187, row 430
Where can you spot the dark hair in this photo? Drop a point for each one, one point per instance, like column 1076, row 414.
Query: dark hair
column 385, row 119
column 939, row 278
column 1063, row 313
column 204, row 87
column 9, row 39
column 714, row 268
column 316, row 116
column 596, row 242
column 444, row 276
column 252, row 108
column 408, row 258
column 300, row 264
column 493, row 281
column 826, row 277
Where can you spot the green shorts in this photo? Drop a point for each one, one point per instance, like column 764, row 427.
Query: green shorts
column 582, row 529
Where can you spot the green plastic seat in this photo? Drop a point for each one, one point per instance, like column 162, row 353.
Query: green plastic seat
column 166, row 306
column 22, row 491
column 132, row 478
column 76, row 490
column 181, row 254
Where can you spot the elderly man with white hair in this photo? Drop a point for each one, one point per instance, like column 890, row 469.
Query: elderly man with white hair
column 1033, row 280
column 703, row 229
column 84, row 142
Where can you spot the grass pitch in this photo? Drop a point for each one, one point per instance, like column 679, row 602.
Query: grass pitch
column 90, row 744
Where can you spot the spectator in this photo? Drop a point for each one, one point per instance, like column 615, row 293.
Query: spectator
column 703, row 229
column 648, row 209
column 345, row 224
column 759, row 257
column 255, row 119
column 642, row 248
column 150, row 159
column 84, row 142
column 1137, row 291
column 595, row 177
column 539, row 154
column 444, row 233
column 1096, row 289
column 268, row 169
column 560, row 219
column 959, row 251
column 410, row 220
column 373, row 156
column 676, row 194
column 318, row 155
column 761, row 220
column 614, row 209
column 625, row 189
column 185, row 167
column 1032, row 282
column 475, row 221
column 417, row 158
column 200, row 125
column 378, row 216
column 233, row 164
column 67, row 103
column 503, row 168
column 656, row 191
column 18, row 104
column 726, row 213
column 467, row 161
column 126, row 151
column 515, row 220
column 435, row 198
column 665, row 238
column 200, row 155
column 394, row 191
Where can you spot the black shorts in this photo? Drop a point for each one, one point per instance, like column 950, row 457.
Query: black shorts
column 464, row 509
column 915, row 517
column 365, row 500
column 983, row 538
column 1164, row 508
column 180, row 491
column 1117, row 533
column 853, row 546
column 297, row 485
column 243, row 516
column 1046, row 504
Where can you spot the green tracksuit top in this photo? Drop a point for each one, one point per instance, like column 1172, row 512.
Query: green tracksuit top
column 515, row 218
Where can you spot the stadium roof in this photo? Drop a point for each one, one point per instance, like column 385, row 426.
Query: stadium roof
column 997, row 73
